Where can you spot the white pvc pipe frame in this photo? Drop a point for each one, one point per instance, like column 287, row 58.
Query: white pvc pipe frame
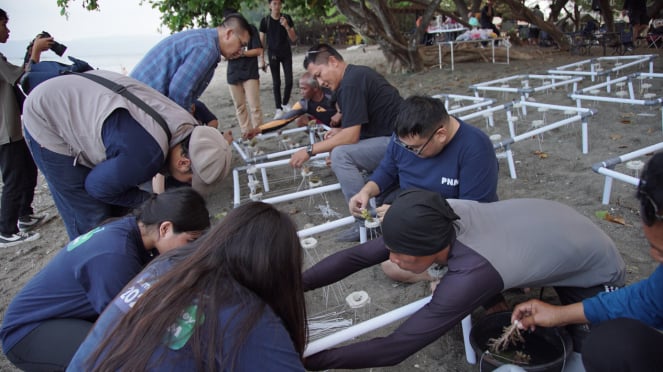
column 383, row 320
column 478, row 102
column 605, row 168
column 631, row 100
column 581, row 115
column 263, row 167
column 548, row 82
column 593, row 62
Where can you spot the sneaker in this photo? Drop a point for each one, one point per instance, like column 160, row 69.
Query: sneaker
column 349, row 235
column 29, row 222
column 18, row 238
column 278, row 114
column 286, row 108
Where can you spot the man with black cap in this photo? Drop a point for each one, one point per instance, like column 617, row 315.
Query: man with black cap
column 487, row 247
column 95, row 146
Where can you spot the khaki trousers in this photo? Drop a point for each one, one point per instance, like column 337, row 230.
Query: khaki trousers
column 243, row 93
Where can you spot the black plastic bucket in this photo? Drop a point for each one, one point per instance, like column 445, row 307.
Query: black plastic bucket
column 547, row 347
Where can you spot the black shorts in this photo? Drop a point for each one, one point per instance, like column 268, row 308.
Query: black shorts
column 534, row 32
column 638, row 18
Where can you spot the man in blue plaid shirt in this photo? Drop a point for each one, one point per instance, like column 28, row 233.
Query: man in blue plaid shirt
column 182, row 65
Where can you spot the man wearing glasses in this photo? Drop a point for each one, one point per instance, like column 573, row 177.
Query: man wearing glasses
column 182, row 65
column 369, row 105
column 433, row 151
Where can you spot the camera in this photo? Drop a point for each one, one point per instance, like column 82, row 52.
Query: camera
column 56, row 47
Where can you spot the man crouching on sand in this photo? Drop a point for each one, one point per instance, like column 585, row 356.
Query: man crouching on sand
column 487, row 247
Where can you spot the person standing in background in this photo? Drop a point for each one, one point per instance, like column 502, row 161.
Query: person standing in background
column 534, row 30
column 486, row 20
column 278, row 30
column 19, row 172
column 244, row 84
column 637, row 15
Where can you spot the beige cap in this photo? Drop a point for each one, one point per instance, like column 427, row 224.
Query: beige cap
column 210, row 156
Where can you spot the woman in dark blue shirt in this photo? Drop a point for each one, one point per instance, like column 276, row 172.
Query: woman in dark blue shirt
column 231, row 301
column 49, row 318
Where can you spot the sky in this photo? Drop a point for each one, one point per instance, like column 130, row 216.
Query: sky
column 27, row 18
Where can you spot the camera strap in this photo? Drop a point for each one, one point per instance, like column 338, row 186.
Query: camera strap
column 122, row 90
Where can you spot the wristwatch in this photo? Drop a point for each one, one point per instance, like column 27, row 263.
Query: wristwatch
column 309, row 150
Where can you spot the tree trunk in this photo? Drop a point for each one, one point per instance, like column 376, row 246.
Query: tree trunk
column 374, row 20
column 606, row 12
column 519, row 9
column 555, row 9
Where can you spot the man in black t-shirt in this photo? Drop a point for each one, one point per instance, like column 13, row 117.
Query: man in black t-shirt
column 369, row 105
column 279, row 31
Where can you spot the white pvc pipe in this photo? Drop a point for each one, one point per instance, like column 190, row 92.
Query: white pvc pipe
column 365, row 327
column 610, row 175
column 326, row 226
column 383, row 320
column 302, row 193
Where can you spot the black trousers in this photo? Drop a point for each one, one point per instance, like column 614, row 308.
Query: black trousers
column 50, row 346
column 623, row 345
column 275, row 62
column 19, row 178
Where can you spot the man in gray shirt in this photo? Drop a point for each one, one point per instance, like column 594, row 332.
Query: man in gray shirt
column 487, row 247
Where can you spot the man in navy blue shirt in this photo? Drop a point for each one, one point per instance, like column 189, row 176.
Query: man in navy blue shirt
column 182, row 65
column 433, row 151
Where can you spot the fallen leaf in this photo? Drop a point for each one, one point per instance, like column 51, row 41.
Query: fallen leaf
column 615, row 219
column 540, row 154
column 615, row 137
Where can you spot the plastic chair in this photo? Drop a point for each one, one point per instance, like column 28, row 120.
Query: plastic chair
column 654, row 40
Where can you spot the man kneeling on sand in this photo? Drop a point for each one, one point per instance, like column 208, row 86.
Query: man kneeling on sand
column 487, row 247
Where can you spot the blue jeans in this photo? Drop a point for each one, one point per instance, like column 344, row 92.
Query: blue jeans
column 349, row 162
column 80, row 212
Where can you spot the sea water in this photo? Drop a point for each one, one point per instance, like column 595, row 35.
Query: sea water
column 120, row 54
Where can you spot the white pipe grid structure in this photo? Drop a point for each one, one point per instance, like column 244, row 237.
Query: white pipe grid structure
column 590, row 93
column 454, row 102
column 523, row 87
column 581, row 114
column 606, row 168
column 384, row 320
column 595, row 70
column 243, row 147
column 251, row 169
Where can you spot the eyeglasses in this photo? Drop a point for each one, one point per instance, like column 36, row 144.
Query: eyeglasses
column 417, row 151
column 649, row 218
column 244, row 45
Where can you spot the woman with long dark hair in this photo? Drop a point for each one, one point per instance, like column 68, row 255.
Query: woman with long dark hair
column 231, row 301
column 49, row 318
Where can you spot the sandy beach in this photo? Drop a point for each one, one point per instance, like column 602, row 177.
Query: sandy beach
column 550, row 166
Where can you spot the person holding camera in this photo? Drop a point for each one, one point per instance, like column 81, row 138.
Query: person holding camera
column 56, row 47
column 19, row 172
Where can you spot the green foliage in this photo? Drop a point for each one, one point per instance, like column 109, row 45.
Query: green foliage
column 178, row 15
